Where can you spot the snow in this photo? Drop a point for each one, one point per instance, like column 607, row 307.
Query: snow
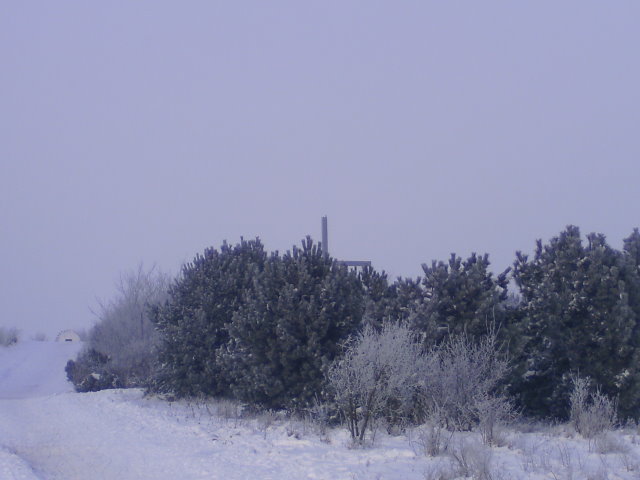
column 35, row 369
column 49, row 432
column 13, row 467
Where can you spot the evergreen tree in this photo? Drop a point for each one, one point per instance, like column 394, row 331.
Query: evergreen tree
column 576, row 318
column 377, row 296
column 631, row 258
column 403, row 300
column 194, row 321
column 462, row 297
column 291, row 326
column 407, row 300
column 632, row 247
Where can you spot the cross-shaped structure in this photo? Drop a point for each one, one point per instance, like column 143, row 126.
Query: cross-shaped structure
column 325, row 249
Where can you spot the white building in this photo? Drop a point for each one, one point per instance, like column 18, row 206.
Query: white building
column 68, row 336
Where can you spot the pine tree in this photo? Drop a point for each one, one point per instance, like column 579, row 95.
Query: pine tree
column 406, row 301
column 631, row 259
column 194, row 321
column 377, row 296
column 291, row 326
column 632, row 247
column 462, row 297
column 576, row 318
column 401, row 301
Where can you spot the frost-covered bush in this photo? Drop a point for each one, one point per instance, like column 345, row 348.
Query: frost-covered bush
column 471, row 460
column 592, row 413
column 432, row 438
column 120, row 350
column 462, row 385
column 455, row 386
column 8, row 336
column 379, row 369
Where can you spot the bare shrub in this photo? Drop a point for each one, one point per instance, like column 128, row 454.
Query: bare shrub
column 578, row 401
column 600, row 474
column 434, row 438
column 472, row 459
column 318, row 416
column 630, row 461
column 377, row 367
column 123, row 339
column 440, row 471
column 571, row 461
column 431, row 438
column 591, row 413
column 462, row 385
column 493, row 412
column 228, row 409
column 264, row 421
column 8, row 336
column 609, row 442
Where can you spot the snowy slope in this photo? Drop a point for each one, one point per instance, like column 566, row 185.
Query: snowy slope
column 33, row 369
column 30, row 369
column 13, row 467
column 50, row 433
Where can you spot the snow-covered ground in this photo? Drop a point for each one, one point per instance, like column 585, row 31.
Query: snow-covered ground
column 35, row 369
column 49, row 432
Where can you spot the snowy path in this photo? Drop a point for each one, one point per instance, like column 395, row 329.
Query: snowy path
column 118, row 434
column 65, row 435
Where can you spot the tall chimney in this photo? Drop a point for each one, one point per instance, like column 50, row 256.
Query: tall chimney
column 325, row 237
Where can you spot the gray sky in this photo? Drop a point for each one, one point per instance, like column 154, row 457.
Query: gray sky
column 146, row 131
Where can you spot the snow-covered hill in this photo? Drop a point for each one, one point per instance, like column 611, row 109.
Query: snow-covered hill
column 35, row 369
column 49, row 432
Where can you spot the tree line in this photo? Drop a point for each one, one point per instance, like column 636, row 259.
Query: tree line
column 272, row 329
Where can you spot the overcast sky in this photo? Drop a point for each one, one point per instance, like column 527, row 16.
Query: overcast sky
column 147, row 131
